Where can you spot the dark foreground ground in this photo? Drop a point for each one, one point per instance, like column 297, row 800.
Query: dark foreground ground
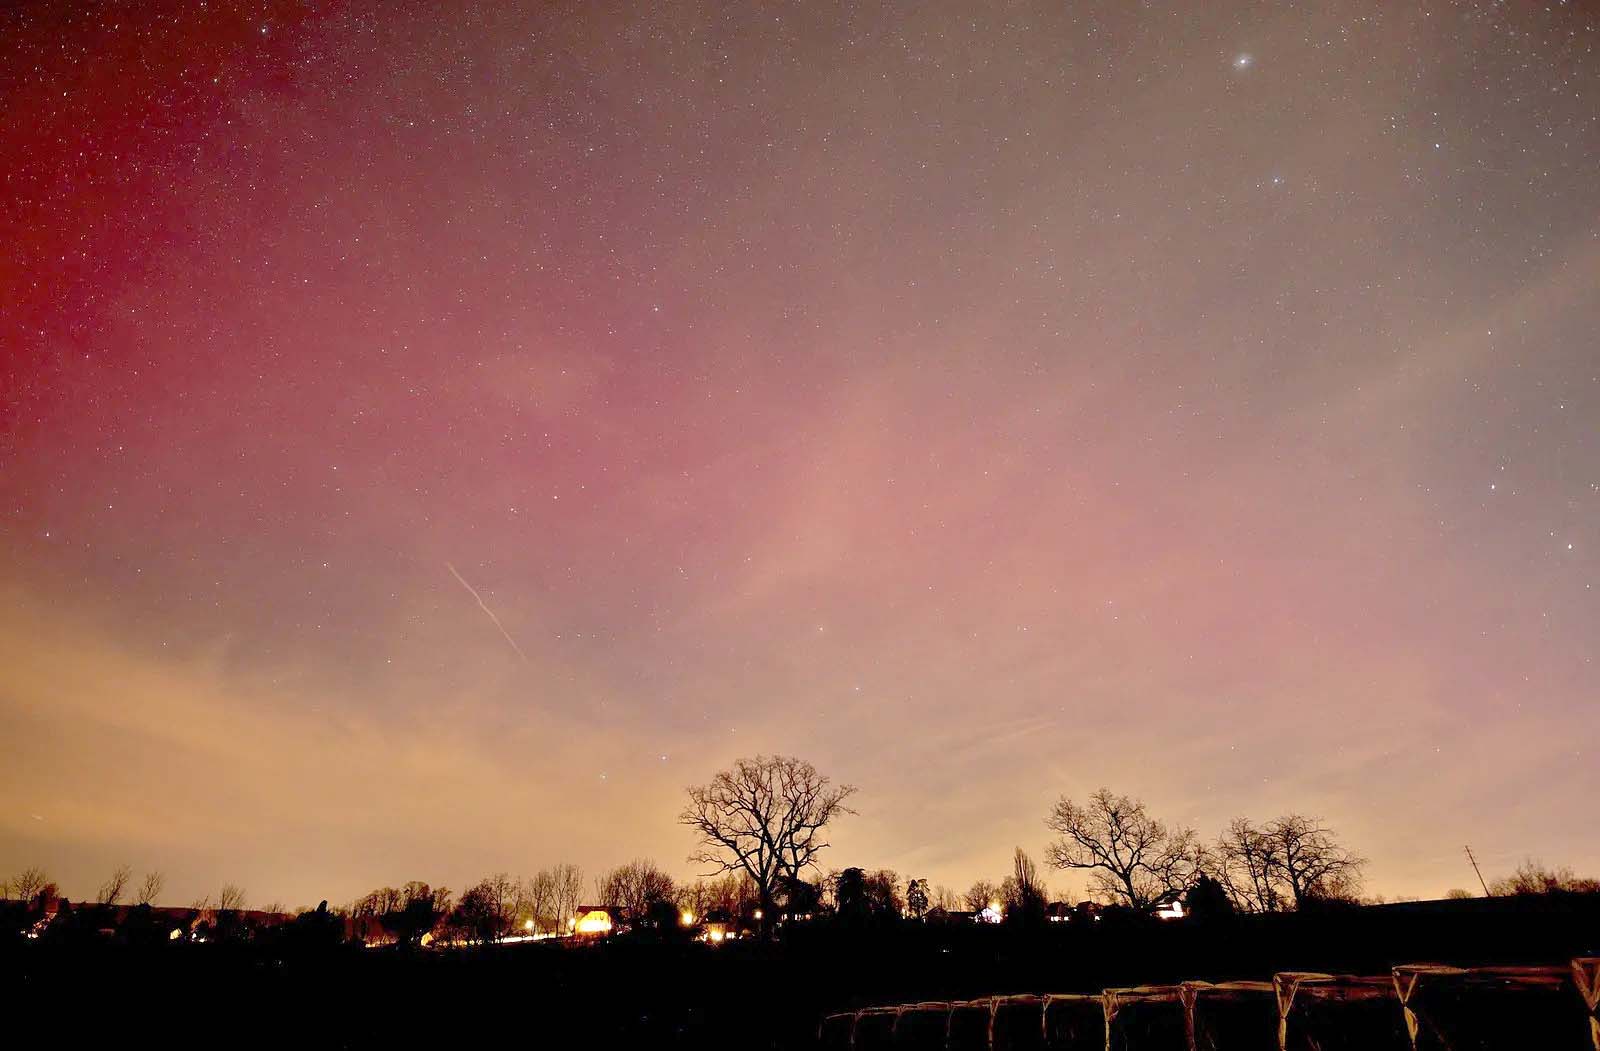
column 745, row 995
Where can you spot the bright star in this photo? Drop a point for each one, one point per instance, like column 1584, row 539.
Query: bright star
column 1244, row 61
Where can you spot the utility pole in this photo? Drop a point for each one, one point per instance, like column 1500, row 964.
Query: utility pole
column 1475, row 868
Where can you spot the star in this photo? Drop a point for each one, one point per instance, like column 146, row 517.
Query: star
column 1243, row 61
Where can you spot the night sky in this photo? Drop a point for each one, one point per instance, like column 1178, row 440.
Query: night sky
column 432, row 438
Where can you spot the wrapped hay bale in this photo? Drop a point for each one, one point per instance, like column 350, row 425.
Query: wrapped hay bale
column 1017, row 1023
column 969, row 1025
column 1074, row 1022
column 875, row 1029
column 836, row 1031
column 1492, row 1008
column 1145, row 1018
column 1230, row 1016
column 923, row 1027
column 1339, row 1012
column 1586, row 974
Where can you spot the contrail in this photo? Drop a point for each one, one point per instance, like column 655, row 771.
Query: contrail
column 486, row 609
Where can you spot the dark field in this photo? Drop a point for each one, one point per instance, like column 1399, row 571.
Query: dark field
column 748, row 995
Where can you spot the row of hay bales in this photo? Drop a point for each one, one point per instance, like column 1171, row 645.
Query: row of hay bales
column 1418, row 1007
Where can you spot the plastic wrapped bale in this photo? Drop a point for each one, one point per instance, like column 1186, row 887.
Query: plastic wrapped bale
column 1586, row 974
column 1074, row 1022
column 1339, row 1012
column 875, row 1029
column 1017, row 1023
column 1145, row 1018
column 969, row 1026
column 836, row 1031
column 922, row 1027
column 1492, row 1008
column 1230, row 1016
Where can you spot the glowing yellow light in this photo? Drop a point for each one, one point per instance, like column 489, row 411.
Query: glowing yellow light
column 175, row 935
column 687, row 917
column 758, row 914
column 595, row 922
column 527, row 925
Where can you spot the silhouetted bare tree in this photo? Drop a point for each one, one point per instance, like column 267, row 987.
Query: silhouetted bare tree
column 1134, row 859
column 115, row 886
column 765, row 817
column 981, row 895
column 27, row 884
column 733, row 894
column 634, row 890
column 482, row 914
column 1287, row 863
column 569, row 887
column 1023, row 893
column 230, row 898
column 1532, row 877
column 504, row 893
column 150, row 887
column 538, row 902
column 1309, row 862
column 694, row 898
column 1245, row 863
column 413, row 911
column 32, row 892
column 883, row 892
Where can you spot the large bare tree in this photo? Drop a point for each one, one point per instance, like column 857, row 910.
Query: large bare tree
column 764, row 817
column 1246, row 864
column 1133, row 858
column 1311, row 864
column 1286, row 863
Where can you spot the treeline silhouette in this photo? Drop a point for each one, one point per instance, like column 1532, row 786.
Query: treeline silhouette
column 754, row 952
column 653, row 988
column 760, row 824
